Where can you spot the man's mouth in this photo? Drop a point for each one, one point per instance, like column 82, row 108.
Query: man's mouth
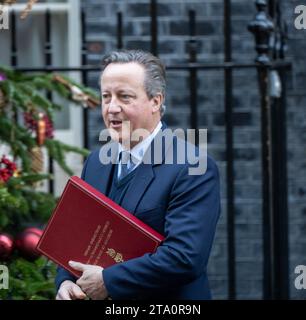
column 115, row 123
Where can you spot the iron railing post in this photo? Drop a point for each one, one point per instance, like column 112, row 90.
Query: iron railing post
column 262, row 28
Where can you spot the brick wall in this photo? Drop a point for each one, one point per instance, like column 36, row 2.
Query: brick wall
column 173, row 37
column 296, row 128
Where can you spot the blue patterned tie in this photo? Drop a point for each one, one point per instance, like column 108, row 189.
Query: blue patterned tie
column 127, row 165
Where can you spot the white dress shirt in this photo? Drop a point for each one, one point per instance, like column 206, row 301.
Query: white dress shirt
column 138, row 151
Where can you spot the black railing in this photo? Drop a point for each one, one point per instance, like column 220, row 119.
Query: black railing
column 84, row 78
column 274, row 149
column 273, row 126
column 48, row 63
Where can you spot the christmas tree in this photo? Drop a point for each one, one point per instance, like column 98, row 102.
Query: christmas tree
column 26, row 130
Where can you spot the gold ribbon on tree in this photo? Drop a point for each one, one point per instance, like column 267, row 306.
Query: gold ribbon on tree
column 77, row 94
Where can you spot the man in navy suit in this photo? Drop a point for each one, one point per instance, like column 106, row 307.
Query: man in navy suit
column 163, row 191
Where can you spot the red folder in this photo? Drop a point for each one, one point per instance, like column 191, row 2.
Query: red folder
column 88, row 227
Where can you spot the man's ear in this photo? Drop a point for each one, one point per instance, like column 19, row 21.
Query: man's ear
column 157, row 102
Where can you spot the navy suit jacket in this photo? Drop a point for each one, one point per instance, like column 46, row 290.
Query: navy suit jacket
column 184, row 208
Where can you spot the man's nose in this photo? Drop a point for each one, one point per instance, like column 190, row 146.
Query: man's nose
column 114, row 106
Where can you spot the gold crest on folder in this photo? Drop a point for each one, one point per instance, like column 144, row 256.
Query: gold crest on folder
column 115, row 255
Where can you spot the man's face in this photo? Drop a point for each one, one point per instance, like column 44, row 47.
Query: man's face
column 125, row 102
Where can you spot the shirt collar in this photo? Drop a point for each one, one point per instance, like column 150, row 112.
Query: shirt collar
column 139, row 150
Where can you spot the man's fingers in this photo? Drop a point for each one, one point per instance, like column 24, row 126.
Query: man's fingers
column 77, row 292
column 70, row 293
column 63, row 294
column 77, row 265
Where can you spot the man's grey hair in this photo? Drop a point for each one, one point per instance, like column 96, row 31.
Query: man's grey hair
column 155, row 74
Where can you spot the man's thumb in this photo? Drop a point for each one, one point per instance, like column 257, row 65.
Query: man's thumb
column 77, row 265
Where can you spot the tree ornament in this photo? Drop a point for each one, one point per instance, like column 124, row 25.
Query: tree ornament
column 49, row 127
column 6, row 246
column 17, row 173
column 7, row 169
column 27, row 241
column 41, row 129
column 28, row 8
column 2, row 77
column 77, row 94
column 29, row 120
column 37, row 159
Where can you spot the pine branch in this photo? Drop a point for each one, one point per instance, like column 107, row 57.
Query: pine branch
column 30, row 281
column 57, row 150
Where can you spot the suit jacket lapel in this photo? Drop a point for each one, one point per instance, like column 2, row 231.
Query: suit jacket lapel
column 106, row 169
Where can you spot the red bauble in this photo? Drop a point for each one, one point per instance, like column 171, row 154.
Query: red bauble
column 27, row 241
column 6, row 246
column 7, row 169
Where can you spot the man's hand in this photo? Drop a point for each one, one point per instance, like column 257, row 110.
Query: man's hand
column 70, row 291
column 91, row 281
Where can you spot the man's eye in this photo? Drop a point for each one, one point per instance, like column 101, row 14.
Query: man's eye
column 105, row 96
column 125, row 96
